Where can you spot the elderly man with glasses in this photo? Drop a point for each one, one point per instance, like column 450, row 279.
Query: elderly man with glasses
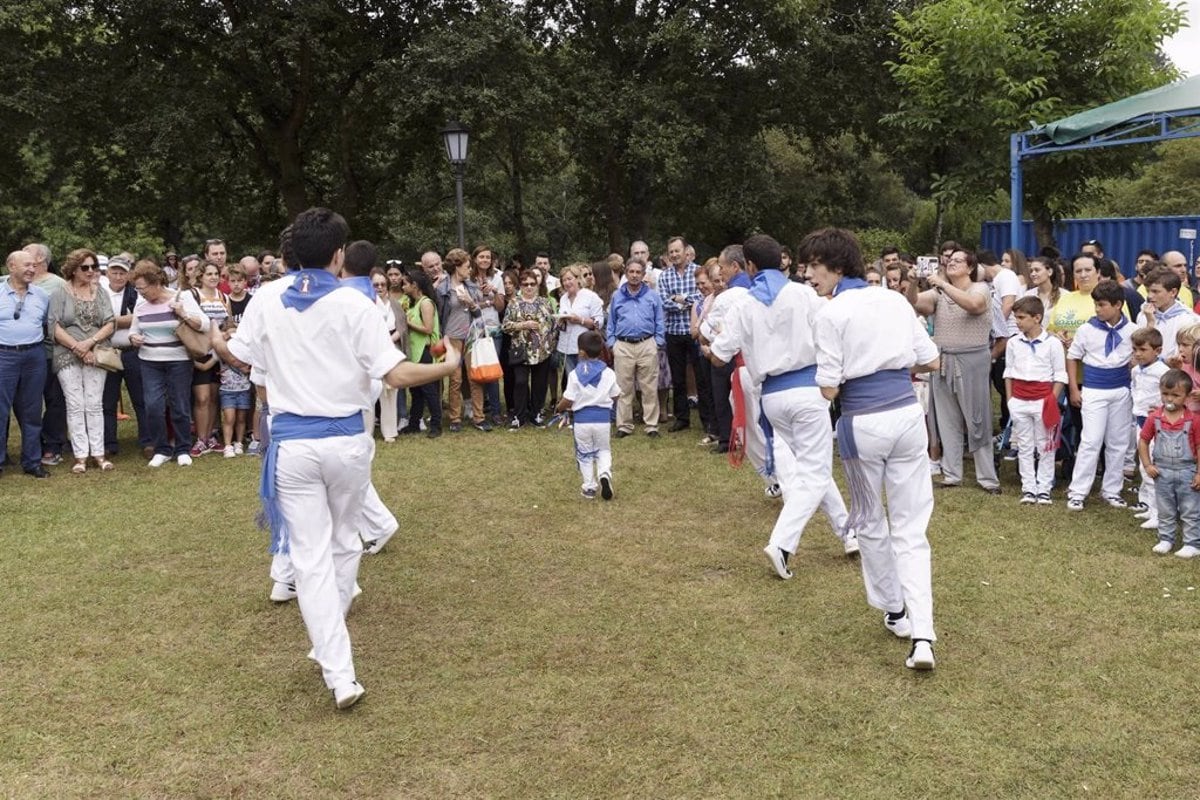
column 23, row 366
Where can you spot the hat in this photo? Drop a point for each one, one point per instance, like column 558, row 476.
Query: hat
column 117, row 262
column 102, row 261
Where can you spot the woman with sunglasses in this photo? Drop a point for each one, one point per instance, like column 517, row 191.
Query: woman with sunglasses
column 81, row 315
column 529, row 320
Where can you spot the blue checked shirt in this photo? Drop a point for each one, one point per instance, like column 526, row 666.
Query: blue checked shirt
column 670, row 283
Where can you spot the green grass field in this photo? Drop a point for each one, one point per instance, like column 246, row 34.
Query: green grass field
column 518, row 641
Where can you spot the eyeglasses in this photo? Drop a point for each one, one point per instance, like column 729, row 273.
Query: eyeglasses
column 89, row 267
column 140, row 289
column 534, row 285
column 379, row 285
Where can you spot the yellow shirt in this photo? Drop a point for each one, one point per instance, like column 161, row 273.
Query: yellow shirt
column 1072, row 310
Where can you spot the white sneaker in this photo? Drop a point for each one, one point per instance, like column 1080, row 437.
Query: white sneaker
column 237, row 449
column 900, row 628
column 850, row 543
column 921, row 656
column 1144, row 514
column 283, row 592
column 184, row 460
column 778, row 561
column 158, row 460
column 935, row 467
column 1187, row 551
column 1074, row 504
column 374, row 547
column 1150, row 524
column 1116, row 502
column 348, row 695
column 774, row 490
column 1162, row 548
column 228, row 451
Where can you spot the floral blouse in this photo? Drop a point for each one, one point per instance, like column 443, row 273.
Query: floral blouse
column 529, row 347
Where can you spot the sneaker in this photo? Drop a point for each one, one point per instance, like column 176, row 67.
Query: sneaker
column 921, row 656
column 1187, row 551
column 539, row 421
column 455, row 427
column 1139, row 509
column 774, row 490
column 1149, row 512
column 901, row 628
column 588, row 494
column 515, row 425
column 373, row 547
column 228, row 452
column 850, row 543
column 254, row 448
column 652, row 434
column 606, row 490
column 935, row 467
column 237, row 449
column 484, row 426
column 708, row 441
column 158, row 460
column 1028, row 498
column 1162, row 548
column 184, row 460
column 1150, row 524
column 1115, row 502
column 1074, row 504
column 778, row 559
column 199, row 449
column 1009, row 454
column 283, row 592
column 51, row 459
column 1043, row 499
column 347, row 696
column 213, row 443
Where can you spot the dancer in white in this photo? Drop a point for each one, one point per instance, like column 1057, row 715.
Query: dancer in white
column 868, row 344
column 773, row 331
column 320, row 345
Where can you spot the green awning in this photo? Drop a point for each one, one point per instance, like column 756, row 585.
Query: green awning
column 1180, row 96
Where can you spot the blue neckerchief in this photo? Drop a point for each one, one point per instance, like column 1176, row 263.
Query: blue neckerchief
column 1172, row 312
column 846, row 284
column 741, row 279
column 1033, row 343
column 1112, row 336
column 589, row 371
column 309, row 286
column 362, row 283
column 767, row 285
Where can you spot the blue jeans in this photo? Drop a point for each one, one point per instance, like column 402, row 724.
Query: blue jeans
column 22, row 378
column 168, row 384
column 132, row 376
column 1177, row 502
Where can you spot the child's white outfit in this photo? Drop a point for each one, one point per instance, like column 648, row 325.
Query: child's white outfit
column 592, row 389
column 1034, row 366
column 1107, row 407
column 1144, row 386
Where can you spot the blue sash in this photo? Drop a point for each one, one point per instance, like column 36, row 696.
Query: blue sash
column 881, row 391
column 797, row 378
column 290, row 427
column 593, row 414
column 1105, row 377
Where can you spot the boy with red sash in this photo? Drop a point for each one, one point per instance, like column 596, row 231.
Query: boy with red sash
column 1034, row 375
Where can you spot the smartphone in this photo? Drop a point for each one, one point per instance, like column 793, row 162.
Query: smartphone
column 926, row 266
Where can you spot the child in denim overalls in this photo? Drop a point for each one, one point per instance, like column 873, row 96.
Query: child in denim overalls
column 1175, row 432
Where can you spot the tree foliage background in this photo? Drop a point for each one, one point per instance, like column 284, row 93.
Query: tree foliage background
column 143, row 124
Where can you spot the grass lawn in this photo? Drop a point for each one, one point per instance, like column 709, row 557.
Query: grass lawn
column 518, row 641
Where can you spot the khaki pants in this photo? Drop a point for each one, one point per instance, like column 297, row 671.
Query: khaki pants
column 636, row 362
column 454, row 405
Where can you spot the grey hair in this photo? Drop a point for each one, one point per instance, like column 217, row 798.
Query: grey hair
column 734, row 254
column 43, row 251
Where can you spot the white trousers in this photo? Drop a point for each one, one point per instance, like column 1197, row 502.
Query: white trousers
column 83, row 389
column 1106, row 415
column 1030, row 437
column 320, row 485
column 803, row 463
column 896, row 561
column 593, row 452
column 377, row 521
column 756, row 443
column 389, row 425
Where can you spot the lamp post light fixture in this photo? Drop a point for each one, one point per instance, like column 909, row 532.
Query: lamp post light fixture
column 456, row 136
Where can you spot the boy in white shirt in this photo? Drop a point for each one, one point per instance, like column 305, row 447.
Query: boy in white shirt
column 1163, row 311
column 1034, row 375
column 1103, row 346
column 1144, row 386
column 590, row 393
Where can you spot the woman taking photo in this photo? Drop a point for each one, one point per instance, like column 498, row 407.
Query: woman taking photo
column 423, row 331
column 579, row 310
column 529, row 320
column 206, row 377
column 166, row 365
column 81, row 315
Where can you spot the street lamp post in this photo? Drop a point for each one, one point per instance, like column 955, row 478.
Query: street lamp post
column 456, row 136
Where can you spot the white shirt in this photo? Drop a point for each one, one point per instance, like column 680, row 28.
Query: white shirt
column 1004, row 284
column 1088, row 347
column 860, row 333
column 772, row 339
column 1182, row 317
column 587, row 304
column 268, row 290
column 712, row 324
column 120, row 337
column 1145, row 387
column 1045, row 361
column 602, row 394
column 319, row 362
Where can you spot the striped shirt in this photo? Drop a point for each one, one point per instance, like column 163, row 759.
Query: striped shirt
column 156, row 322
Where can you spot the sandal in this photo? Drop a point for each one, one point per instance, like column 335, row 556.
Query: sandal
column 80, row 467
column 104, row 464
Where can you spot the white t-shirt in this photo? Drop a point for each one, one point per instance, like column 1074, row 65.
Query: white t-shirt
column 120, row 337
column 772, row 339
column 1005, row 284
column 587, row 304
column 860, row 333
column 714, row 321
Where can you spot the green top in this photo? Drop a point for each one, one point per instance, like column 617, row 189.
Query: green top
column 417, row 341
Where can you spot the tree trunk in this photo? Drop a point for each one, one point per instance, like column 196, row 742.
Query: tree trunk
column 518, row 195
column 613, row 217
column 1043, row 228
column 938, row 221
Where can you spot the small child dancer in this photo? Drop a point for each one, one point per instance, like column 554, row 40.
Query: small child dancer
column 1034, row 375
column 591, row 390
column 1172, row 463
column 1147, row 371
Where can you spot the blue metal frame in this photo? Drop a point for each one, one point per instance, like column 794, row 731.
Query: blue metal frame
column 1032, row 144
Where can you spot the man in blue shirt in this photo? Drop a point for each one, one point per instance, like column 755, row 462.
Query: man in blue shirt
column 677, row 286
column 23, row 309
column 635, row 332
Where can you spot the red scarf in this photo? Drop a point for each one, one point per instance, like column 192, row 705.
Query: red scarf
column 737, row 434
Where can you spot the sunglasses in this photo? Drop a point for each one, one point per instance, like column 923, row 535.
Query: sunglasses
column 528, row 284
column 20, row 306
column 89, row 267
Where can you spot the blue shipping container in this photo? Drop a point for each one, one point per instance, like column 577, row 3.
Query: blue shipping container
column 1122, row 237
